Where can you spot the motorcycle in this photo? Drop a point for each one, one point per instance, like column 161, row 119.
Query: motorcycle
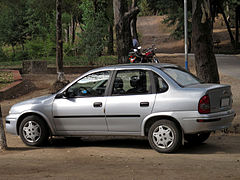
column 148, row 55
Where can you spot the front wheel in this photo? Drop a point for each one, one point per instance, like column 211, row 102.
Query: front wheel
column 197, row 138
column 164, row 136
column 33, row 131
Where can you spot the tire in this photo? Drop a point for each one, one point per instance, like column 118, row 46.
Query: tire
column 164, row 136
column 33, row 131
column 197, row 138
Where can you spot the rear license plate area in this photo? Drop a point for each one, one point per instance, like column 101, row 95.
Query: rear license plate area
column 225, row 102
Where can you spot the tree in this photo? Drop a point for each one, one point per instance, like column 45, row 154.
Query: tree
column 3, row 141
column 122, row 18
column 134, row 21
column 95, row 28
column 14, row 29
column 110, row 17
column 59, row 42
column 205, row 61
column 217, row 6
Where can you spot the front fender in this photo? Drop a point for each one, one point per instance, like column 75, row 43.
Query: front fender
column 32, row 112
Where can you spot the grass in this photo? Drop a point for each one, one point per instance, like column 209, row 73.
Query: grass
column 5, row 78
column 67, row 61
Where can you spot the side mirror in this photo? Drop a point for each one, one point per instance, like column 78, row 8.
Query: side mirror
column 59, row 96
column 62, row 95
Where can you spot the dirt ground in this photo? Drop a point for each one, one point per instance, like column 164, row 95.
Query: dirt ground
column 121, row 158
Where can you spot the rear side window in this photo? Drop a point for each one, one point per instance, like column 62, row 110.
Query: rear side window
column 161, row 85
column 183, row 78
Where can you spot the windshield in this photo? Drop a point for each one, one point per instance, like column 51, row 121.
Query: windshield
column 183, row 78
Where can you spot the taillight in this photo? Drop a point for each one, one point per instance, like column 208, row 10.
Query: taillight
column 204, row 105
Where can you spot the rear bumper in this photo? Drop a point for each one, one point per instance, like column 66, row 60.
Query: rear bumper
column 209, row 122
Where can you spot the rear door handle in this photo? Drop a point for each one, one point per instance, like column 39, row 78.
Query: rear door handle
column 144, row 104
column 97, row 104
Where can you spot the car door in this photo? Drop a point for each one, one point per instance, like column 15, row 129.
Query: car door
column 83, row 107
column 130, row 102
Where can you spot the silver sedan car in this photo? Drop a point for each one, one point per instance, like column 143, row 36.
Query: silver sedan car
column 161, row 101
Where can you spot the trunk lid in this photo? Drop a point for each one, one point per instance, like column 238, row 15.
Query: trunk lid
column 220, row 96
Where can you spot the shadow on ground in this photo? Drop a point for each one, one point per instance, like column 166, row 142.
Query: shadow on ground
column 219, row 145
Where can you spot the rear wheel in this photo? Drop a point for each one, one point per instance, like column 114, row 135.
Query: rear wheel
column 33, row 131
column 196, row 138
column 164, row 136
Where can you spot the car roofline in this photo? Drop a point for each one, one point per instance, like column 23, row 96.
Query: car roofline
column 140, row 65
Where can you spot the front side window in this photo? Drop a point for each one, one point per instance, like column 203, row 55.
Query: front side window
column 131, row 82
column 183, row 78
column 91, row 85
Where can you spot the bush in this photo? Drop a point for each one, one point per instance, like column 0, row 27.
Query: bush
column 19, row 56
column 3, row 57
column 38, row 47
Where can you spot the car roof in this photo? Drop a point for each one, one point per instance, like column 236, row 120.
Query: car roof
column 140, row 65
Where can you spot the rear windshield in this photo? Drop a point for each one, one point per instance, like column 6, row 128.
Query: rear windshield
column 182, row 77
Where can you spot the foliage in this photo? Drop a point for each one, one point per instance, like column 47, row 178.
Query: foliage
column 6, row 77
column 93, row 37
column 40, row 48
column 41, row 18
column 2, row 54
column 14, row 28
column 145, row 9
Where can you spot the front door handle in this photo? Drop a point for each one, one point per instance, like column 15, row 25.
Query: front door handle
column 97, row 104
column 144, row 104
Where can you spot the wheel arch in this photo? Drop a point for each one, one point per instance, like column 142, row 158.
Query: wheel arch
column 26, row 114
column 147, row 123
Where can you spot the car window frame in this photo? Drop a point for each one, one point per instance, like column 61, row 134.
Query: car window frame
column 107, row 86
column 153, row 73
column 152, row 85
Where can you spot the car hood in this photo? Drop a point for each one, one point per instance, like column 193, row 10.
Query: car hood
column 29, row 104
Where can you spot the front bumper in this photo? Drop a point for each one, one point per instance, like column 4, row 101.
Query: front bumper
column 209, row 122
column 11, row 123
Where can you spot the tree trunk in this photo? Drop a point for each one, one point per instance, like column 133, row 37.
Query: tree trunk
column 205, row 61
column 227, row 24
column 110, row 50
column 189, row 44
column 68, row 35
column 122, row 19
column 59, row 42
column 134, row 22
column 109, row 13
column 23, row 48
column 73, row 29
column 237, row 17
column 3, row 141
column 13, row 50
